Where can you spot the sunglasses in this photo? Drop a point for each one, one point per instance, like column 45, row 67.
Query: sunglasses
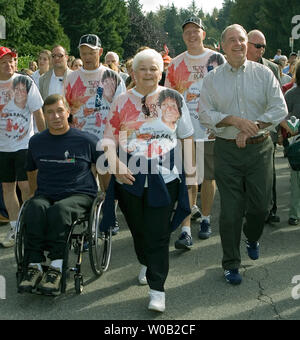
column 145, row 108
column 257, row 45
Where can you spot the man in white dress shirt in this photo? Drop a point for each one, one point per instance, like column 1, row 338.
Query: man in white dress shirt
column 241, row 101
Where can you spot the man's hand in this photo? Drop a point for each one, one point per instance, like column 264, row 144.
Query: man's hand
column 242, row 124
column 241, row 140
column 246, row 126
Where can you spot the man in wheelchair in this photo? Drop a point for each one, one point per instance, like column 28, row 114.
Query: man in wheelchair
column 60, row 161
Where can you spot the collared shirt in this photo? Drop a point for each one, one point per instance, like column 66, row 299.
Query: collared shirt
column 251, row 92
column 56, row 84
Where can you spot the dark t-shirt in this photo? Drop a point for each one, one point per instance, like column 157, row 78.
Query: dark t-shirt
column 292, row 98
column 63, row 163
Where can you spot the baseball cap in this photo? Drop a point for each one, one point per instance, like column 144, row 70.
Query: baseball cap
column 194, row 20
column 90, row 40
column 5, row 50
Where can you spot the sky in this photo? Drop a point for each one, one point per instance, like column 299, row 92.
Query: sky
column 206, row 5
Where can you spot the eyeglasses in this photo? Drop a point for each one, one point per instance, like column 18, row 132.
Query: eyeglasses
column 257, row 45
column 57, row 56
column 145, row 108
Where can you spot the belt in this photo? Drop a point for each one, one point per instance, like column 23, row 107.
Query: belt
column 251, row 140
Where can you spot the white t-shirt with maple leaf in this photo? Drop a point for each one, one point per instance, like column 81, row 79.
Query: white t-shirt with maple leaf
column 151, row 134
column 90, row 95
column 19, row 98
column 185, row 74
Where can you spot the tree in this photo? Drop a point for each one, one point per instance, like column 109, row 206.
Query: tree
column 44, row 30
column 268, row 16
column 112, row 25
column 142, row 31
column 106, row 18
column 32, row 25
column 277, row 25
column 173, row 27
column 16, row 27
column 240, row 13
column 224, row 18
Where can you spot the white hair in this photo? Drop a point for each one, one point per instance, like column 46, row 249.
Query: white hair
column 114, row 54
column 148, row 54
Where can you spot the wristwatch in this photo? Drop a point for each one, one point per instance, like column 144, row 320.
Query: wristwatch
column 258, row 125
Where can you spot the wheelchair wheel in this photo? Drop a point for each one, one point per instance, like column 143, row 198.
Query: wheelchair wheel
column 99, row 242
column 19, row 243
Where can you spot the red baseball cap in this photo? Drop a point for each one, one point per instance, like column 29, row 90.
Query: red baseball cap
column 5, row 50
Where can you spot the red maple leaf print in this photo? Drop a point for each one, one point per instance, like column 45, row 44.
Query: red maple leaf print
column 129, row 112
column 126, row 119
column 115, row 122
column 76, row 95
column 9, row 125
column 98, row 120
column 178, row 77
column 75, row 124
column 171, row 75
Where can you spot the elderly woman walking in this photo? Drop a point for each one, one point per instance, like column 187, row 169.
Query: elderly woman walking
column 142, row 145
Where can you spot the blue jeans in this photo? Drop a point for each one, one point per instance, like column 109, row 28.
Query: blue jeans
column 3, row 211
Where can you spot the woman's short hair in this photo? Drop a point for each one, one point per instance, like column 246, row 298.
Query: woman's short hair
column 148, row 53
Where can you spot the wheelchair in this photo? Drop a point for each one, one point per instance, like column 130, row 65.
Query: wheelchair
column 84, row 236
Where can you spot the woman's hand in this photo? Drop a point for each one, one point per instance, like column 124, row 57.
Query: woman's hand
column 123, row 174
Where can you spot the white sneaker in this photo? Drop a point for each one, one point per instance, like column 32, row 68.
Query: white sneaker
column 157, row 301
column 142, row 276
column 195, row 213
column 9, row 240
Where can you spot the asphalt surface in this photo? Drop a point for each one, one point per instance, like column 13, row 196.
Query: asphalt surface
column 195, row 288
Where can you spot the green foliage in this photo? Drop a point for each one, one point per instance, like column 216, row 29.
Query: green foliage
column 23, row 61
column 106, row 18
column 123, row 26
column 32, row 25
column 272, row 17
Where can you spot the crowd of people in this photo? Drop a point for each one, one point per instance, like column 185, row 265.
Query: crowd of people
column 168, row 129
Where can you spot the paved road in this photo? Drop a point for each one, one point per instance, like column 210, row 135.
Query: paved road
column 195, row 286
